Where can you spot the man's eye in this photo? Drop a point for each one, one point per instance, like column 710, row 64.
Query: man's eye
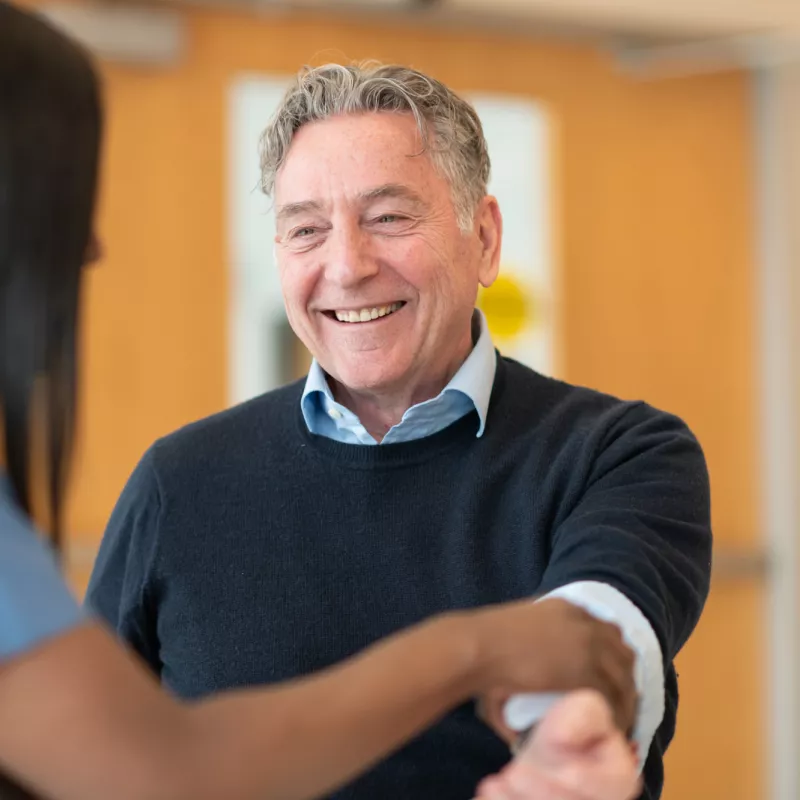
column 300, row 233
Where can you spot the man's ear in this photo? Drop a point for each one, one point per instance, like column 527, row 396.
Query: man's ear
column 489, row 223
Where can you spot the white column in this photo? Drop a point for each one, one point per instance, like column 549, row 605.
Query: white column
column 777, row 118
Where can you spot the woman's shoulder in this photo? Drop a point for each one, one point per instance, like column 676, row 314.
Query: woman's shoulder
column 35, row 601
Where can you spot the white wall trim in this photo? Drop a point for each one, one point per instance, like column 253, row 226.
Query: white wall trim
column 779, row 410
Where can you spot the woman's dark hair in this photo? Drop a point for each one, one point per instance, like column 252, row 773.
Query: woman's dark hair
column 13, row 791
column 50, row 126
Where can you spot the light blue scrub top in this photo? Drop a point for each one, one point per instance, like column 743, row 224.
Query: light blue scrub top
column 35, row 602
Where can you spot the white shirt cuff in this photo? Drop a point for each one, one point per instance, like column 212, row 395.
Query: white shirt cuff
column 609, row 605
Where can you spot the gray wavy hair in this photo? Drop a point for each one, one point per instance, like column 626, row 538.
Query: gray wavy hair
column 449, row 127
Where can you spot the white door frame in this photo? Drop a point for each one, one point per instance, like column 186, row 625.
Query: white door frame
column 777, row 137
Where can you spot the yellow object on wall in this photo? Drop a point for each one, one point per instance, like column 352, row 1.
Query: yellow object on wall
column 508, row 306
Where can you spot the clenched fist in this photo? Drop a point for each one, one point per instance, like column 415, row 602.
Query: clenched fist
column 575, row 753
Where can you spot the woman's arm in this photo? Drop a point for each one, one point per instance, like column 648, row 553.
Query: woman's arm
column 81, row 719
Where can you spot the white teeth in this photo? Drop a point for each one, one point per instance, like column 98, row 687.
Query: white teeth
column 366, row 314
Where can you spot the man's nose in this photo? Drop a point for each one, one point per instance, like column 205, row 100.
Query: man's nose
column 348, row 259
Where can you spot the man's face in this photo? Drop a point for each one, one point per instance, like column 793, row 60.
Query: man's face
column 378, row 279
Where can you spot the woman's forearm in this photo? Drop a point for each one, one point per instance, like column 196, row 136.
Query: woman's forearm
column 80, row 719
column 306, row 737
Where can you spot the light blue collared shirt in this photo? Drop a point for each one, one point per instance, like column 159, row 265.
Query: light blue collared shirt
column 470, row 390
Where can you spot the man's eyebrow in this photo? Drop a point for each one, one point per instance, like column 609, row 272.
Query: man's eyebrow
column 293, row 209
column 389, row 190
column 392, row 190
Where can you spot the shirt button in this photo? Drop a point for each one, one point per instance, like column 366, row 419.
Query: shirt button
column 334, row 413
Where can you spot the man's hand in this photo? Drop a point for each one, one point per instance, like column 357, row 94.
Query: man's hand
column 576, row 753
column 562, row 648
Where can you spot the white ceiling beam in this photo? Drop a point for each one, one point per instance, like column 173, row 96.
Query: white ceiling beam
column 676, row 17
column 117, row 32
column 753, row 52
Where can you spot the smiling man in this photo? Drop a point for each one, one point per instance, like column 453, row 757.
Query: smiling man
column 415, row 470
column 378, row 278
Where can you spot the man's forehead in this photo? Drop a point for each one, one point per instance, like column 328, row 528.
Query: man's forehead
column 376, row 148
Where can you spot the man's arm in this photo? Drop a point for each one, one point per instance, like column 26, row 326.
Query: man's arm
column 119, row 586
column 636, row 552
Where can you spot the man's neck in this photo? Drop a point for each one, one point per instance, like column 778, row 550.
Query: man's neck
column 379, row 412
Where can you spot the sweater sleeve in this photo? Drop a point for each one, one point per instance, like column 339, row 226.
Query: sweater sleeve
column 638, row 521
column 641, row 523
column 120, row 588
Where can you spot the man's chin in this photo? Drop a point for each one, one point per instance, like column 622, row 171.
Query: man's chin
column 364, row 377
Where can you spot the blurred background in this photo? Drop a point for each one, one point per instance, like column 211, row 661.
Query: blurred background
column 647, row 160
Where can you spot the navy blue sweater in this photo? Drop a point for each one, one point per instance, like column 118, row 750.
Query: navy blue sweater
column 245, row 550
